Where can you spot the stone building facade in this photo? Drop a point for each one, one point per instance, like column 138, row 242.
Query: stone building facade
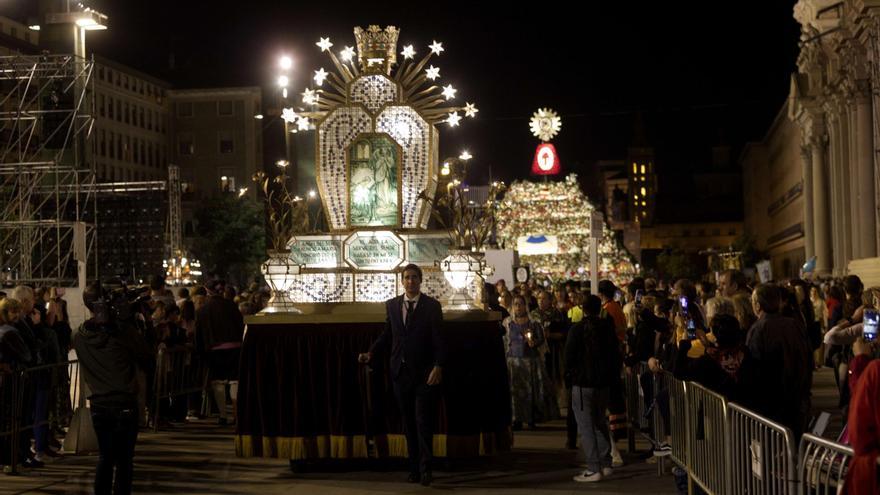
column 834, row 100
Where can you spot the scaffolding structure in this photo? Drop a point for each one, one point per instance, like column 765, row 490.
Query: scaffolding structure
column 47, row 185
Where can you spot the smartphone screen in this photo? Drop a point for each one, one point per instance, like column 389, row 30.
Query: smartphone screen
column 869, row 331
column 691, row 329
column 639, row 297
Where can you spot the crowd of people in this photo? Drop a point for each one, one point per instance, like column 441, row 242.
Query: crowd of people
column 36, row 340
column 755, row 344
column 566, row 348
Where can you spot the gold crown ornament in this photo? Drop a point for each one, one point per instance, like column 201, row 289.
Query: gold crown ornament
column 377, row 48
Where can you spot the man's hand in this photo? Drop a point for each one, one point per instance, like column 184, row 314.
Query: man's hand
column 365, row 357
column 436, row 376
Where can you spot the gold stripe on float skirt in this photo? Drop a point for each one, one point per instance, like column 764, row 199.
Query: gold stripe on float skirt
column 355, row 447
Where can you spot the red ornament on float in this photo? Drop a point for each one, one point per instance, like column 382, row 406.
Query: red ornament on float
column 546, row 160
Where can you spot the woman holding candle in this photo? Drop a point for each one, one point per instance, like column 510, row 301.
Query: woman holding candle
column 522, row 337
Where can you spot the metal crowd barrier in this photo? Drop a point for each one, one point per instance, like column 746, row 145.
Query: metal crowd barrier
column 822, row 465
column 179, row 373
column 678, row 423
column 647, row 417
column 728, row 449
column 707, row 446
column 18, row 391
column 635, row 402
column 10, row 418
column 761, row 453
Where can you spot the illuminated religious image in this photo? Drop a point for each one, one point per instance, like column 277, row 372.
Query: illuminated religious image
column 373, row 188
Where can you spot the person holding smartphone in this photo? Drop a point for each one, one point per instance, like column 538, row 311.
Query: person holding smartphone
column 846, row 333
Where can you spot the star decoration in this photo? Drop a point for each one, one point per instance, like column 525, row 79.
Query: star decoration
column 453, row 119
column 432, row 72
column 302, row 124
column 324, row 44
column 310, row 97
column 320, row 75
column 436, row 47
column 288, row 115
column 408, row 52
column 470, row 110
column 347, row 54
column 449, row 92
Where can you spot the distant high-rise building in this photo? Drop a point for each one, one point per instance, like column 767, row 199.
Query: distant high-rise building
column 217, row 143
column 642, row 184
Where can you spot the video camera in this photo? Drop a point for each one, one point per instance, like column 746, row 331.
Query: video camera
column 116, row 304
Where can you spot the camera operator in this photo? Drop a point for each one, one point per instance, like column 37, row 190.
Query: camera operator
column 109, row 350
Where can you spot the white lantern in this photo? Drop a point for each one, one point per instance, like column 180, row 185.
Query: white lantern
column 280, row 272
column 460, row 269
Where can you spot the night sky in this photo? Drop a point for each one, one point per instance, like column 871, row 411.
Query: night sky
column 700, row 73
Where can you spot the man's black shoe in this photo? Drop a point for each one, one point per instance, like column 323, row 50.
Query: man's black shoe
column 426, row 479
column 413, row 478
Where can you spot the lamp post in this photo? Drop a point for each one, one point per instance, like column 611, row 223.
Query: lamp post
column 285, row 63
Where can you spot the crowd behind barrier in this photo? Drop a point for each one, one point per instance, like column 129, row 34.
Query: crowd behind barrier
column 177, row 338
column 179, row 376
column 725, row 448
column 17, row 422
column 180, row 381
column 717, row 443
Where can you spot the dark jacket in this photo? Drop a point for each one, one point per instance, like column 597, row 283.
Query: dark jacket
column 32, row 340
column 783, row 361
column 647, row 335
column 109, row 356
column 13, row 350
column 592, row 354
column 218, row 321
column 421, row 344
column 729, row 372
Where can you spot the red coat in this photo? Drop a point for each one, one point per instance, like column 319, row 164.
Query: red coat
column 864, row 433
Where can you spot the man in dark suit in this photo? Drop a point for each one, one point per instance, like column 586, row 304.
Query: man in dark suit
column 412, row 331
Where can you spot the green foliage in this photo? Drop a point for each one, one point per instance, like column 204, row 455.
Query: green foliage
column 231, row 237
column 675, row 263
column 747, row 245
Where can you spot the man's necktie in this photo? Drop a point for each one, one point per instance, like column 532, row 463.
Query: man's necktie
column 410, row 306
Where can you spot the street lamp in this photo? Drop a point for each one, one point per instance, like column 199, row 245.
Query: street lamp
column 285, row 62
column 455, row 167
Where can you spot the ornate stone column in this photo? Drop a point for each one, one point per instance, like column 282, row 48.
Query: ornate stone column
column 834, row 187
column 821, row 206
column 850, row 169
column 807, row 170
column 864, row 171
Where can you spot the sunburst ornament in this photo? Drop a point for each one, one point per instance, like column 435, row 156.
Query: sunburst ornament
column 545, row 124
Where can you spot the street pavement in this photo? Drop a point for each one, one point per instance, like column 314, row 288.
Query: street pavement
column 198, row 458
